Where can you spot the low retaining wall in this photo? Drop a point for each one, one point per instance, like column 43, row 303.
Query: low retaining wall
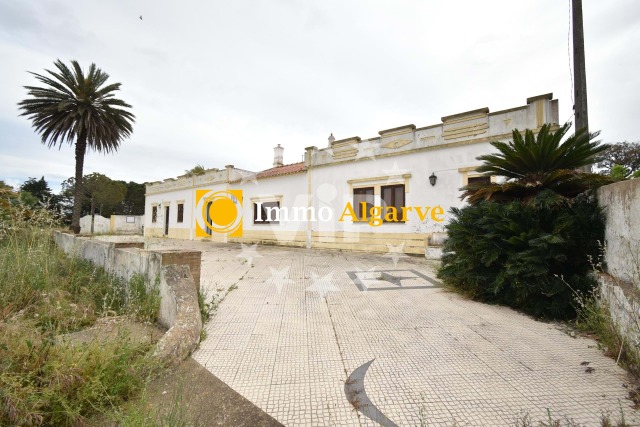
column 183, row 313
column 177, row 274
column 622, row 301
column 122, row 262
column 621, row 202
column 621, row 284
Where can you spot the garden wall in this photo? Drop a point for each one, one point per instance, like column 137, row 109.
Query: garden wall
column 176, row 273
column 621, row 279
column 621, row 202
column 116, row 224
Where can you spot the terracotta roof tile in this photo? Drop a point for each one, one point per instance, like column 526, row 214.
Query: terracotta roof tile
column 281, row 170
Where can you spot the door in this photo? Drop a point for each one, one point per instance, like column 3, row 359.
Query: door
column 166, row 220
column 208, row 230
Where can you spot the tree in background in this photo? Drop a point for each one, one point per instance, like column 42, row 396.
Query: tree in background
column 625, row 155
column 39, row 189
column 4, row 187
column 133, row 202
column 110, row 197
column 8, row 197
column 74, row 106
column 104, row 194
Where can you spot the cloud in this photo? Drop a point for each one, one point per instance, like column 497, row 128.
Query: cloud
column 221, row 83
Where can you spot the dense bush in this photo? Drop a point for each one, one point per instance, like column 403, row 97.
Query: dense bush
column 530, row 256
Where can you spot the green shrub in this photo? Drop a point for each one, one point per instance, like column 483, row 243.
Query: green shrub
column 527, row 256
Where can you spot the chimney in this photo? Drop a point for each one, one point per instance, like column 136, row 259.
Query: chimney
column 277, row 156
column 331, row 139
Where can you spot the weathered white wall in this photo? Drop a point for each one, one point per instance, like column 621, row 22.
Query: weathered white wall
column 406, row 155
column 621, row 202
column 117, row 224
column 171, row 199
column 100, row 225
column 179, row 311
column 123, row 262
column 622, row 236
column 126, row 224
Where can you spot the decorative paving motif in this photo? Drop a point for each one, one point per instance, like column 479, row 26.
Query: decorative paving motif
column 379, row 280
column 295, row 328
column 357, row 396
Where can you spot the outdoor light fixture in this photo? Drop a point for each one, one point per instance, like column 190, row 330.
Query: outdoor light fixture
column 433, row 178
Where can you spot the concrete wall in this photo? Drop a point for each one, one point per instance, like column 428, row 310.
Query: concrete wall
column 100, row 225
column 622, row 236
column 177, row 275
column 185, row 323
column 126, row 224
column 621, row 280
column 117, row 224
column 121, row 262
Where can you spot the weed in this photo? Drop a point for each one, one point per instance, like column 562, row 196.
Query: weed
column 524, row 420
column 45, row 380
column 174, row 414
column 610, row 314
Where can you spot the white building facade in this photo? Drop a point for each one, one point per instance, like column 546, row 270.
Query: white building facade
column 406, row 170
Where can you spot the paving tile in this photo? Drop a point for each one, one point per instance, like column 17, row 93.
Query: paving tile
column 438, row 359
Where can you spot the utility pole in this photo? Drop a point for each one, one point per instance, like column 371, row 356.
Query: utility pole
column 579, row 72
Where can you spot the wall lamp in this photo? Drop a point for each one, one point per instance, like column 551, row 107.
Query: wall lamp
column 433, row 178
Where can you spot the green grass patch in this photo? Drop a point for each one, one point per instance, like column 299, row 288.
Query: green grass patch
column 44, row 378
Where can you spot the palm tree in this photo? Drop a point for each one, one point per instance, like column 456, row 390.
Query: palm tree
column 533, row 164
column 79, row 107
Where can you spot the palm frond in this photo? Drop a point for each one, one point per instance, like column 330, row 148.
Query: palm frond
column 73, row 102
column 532, row 164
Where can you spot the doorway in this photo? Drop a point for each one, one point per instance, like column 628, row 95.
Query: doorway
column 166, row 220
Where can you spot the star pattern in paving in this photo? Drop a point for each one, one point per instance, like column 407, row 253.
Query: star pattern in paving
column 249, row 252
column 395, row 253
column 322, row 285
column 369, row 274
column 279, row 278
column 394, row 280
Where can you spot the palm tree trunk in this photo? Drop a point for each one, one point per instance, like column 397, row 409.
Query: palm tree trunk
column 81, row 148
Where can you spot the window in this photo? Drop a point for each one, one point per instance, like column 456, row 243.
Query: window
column 479, row 179
column 393, row 197
column 361, row 195
column 269, row 213
column 154, row 214
column 180, row 212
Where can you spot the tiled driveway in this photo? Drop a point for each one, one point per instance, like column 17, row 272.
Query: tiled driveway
column 301, row 321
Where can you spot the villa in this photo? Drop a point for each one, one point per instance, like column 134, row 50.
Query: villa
column 395, row 189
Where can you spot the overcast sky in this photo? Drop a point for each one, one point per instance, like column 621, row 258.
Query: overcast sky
column 222, row 82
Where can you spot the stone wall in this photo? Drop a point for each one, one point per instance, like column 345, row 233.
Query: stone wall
column 621, row 202
column 126, row 224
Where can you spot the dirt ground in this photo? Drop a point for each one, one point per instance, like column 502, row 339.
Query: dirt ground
column 206, row 400
column 203, row 399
